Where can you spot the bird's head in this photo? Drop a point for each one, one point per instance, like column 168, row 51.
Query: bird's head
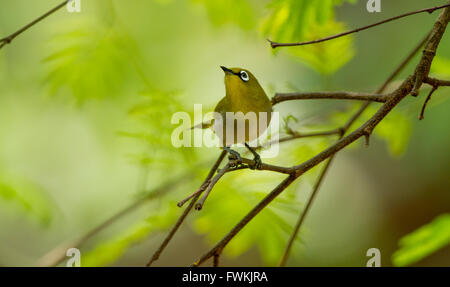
column 238, row 79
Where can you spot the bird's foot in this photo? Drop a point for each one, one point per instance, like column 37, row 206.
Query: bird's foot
column 258, row 162
column 235, row 157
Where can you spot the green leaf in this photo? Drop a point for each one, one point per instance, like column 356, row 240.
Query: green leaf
column 423, row 241
column 305, row 20
column 327, row 57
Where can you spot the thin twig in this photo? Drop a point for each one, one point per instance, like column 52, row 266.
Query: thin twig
column 198, row 191
column 435, row 84
column 422, row 112
column 199, row 205
column 10, row 38
column 183, row 216
column 428, row 10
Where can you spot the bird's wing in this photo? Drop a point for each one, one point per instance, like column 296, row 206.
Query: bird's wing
column 222, row 107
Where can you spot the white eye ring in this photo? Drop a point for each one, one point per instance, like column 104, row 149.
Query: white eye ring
column 244, row 76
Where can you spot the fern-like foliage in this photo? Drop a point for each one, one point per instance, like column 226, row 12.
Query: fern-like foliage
column 90, row 59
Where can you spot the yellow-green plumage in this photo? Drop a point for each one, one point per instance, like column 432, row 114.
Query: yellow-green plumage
column 243, row 96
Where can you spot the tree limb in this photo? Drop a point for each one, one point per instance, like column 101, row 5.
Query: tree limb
column 282, row 97
column 436, row 82
column 428, row 10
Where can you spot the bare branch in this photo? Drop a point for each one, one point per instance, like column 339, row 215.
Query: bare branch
column 10, row 38
column 297, row 135
column 198, row 191
column 282, row 97
column 422, row 112
column 423, row 68
column 268, row 167
column 428, row 10
column 199, row 205
column 436, row 82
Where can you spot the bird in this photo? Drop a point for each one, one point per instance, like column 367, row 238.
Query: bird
column 246, row 100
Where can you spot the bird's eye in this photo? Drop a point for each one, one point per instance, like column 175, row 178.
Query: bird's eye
column 244, row 76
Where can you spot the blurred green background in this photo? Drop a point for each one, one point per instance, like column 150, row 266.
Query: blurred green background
column 85, row 106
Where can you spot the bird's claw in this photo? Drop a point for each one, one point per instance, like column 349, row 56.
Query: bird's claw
column 257, row 162
column 235, row 157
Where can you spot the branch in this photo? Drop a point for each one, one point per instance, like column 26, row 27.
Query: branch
column 422, row 112
column 268, row 167
column 186, row 211
column 282, row 97
column 365, row 130
column 423, row 68
column 216, row 260
column 10, row 38
column 199, row 205
column 428, row 10
column 394, row 74
column 435, row 83
column 296, row 135
column 324, row 171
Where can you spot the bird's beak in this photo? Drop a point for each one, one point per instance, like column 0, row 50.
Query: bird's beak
column 226, row 70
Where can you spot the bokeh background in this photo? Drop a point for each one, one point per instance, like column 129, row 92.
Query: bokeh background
column 85, row 106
